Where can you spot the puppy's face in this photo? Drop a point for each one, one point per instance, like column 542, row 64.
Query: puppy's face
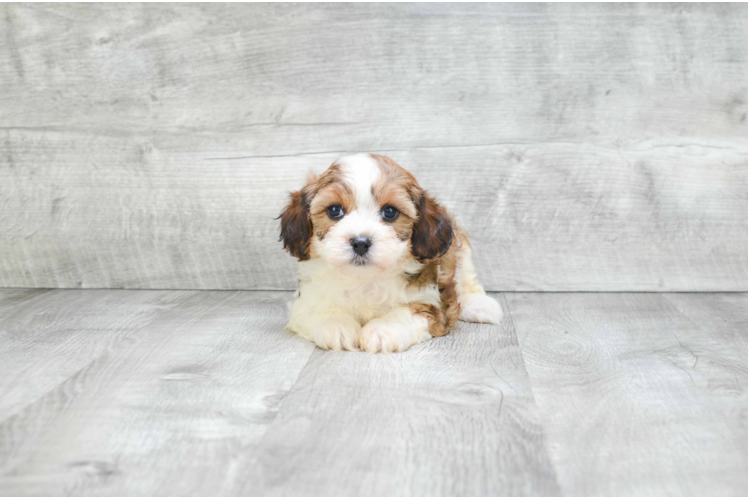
column 364, row 214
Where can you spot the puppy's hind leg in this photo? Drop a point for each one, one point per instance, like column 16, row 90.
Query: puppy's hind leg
column 475, row 305
column 480, row 308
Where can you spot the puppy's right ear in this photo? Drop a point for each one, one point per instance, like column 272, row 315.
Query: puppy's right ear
column 296, row 224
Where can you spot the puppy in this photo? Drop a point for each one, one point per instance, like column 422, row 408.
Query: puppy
column 382, row 265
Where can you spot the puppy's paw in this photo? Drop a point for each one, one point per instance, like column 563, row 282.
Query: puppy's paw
column 384, row 336
column 380, row 336
column 338, row 334
column 480, row 308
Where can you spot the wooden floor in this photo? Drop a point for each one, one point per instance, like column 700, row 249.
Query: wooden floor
column 114, row 392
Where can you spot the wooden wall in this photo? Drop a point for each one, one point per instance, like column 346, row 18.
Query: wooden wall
column 585, row 147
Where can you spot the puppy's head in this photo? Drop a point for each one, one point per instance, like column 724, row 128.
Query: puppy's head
column 364, row 214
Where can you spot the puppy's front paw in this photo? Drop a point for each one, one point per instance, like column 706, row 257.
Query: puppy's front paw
column 380, row 336
column 386, row 337
column 337, row 334
column 480, row 308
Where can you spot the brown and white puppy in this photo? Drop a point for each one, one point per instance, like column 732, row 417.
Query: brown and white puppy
column 382, row 265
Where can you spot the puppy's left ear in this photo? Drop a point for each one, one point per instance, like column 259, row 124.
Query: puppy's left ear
column 432, row 233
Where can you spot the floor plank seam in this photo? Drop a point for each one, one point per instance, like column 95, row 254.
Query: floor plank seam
column 85, row 367
column 73, row 375
column 289, row 391
column 541, row 420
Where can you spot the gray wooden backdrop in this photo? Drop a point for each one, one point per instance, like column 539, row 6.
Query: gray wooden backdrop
column 585, row 147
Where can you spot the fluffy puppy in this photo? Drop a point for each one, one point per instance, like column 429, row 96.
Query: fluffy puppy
column 382, row 265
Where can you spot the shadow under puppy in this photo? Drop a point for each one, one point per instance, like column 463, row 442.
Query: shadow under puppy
column 383, row 266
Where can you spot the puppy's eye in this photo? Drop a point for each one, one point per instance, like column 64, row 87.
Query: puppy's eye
column 335, row 212
column 390, row 213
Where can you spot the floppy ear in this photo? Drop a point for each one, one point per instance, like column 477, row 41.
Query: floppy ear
column 432, row 233
column 296, row 225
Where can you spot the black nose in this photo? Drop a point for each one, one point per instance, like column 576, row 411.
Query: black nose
column 361, row 244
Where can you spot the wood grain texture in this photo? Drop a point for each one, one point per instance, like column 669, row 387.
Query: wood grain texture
column 454, row 416
column 211, row 398
column 595, row 147
column 166, row 412
column 204, row 393
column 723, row 316
column 47, row 337
column 636, row 397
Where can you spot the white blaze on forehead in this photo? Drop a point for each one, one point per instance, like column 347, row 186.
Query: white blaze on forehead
column 361, row 171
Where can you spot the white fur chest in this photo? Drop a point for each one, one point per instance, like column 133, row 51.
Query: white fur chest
column 365, row 296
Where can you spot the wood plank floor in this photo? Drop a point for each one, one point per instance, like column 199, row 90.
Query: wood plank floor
column 121, row 392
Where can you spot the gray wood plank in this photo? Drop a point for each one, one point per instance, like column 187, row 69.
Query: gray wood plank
column 293, row 77
column 452, row 416
column 636, row 398
column 723, row 316
column 169, row 393
column 164, row 414
column 541, row 217
column 12, row 299
column 48, row 337
column 595, row 147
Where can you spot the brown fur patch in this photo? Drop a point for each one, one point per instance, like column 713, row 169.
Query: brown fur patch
column 334, row 193
column 296, row 224
column 403, row 227
column 426, row 276
column 394, row 188
column 441, row 271
column 433, row 233
column 441, row 319
column 298, row 220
